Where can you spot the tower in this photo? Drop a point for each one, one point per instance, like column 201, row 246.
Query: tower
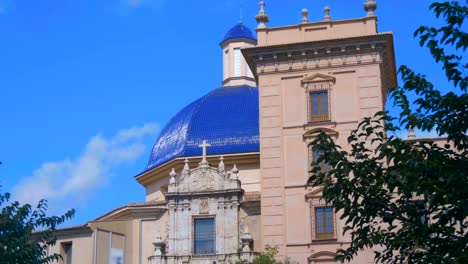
column 235, row 69
column 312, row 76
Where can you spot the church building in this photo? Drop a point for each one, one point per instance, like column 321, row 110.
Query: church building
column 227, row 175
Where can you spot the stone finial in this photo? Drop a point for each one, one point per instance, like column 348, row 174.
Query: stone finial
column 221, row 165
column 370, row 6
column 186, row 167
column 304, row 13
column 172, row 174
column 246, row 240
column 234, row 172
column 326, row 17
column 262, row 17
column 411, row 134
column 158, row 245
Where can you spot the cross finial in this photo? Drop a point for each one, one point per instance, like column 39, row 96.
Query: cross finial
column 204, row 145
column 240, row 15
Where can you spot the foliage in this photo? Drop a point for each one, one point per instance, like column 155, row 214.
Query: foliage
column 18, row 244
column 268, row 256
column 408, row 199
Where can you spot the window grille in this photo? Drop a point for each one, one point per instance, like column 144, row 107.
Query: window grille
column 324, row 223
column 318, row 109
column 318, row 101
column 204, row 236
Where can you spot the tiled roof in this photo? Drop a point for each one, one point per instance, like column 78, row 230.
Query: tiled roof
column 239, row 31
column 227, row 118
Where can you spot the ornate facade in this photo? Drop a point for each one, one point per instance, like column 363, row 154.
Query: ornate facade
column 278, row 88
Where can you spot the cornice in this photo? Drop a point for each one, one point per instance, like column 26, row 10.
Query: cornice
column 237, row 40
column 325, row 54
column 163, row 170
column 238, row 78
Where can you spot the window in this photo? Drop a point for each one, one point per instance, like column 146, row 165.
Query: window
column 204, row 236
column 324, row 223
column 314, row 155
column 318, row 106
column 420, row 211
column 237, row 62
column 67, row 252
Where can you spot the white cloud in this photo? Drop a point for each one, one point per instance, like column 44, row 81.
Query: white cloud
column 73, row 180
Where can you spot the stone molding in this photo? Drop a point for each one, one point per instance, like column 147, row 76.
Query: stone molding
column 325, row 54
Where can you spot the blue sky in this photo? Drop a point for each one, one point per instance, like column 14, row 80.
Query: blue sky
column 85, row 86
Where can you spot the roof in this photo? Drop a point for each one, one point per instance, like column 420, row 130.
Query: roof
column 227, row 118
column 239, row 31
column 120, row 212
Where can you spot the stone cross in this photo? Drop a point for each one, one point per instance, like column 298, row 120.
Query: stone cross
column 204, row 145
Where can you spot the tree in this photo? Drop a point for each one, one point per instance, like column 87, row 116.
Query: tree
column 18, row 244
column 408, row 199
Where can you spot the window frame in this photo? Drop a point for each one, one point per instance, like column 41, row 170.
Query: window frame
column 325, row 168
column 316, row 203
column 237, row 62
column 325, row 235
column 66, row 248
column 318, row 88
column 194, row 248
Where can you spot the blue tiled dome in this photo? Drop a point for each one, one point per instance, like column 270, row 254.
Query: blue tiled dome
column 227, row 118
column 239, row 31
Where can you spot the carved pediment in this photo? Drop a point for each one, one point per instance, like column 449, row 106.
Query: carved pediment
column 315, row 194
column 204, row 178
column 313, row 132
column 323, row 256
column 318, row 77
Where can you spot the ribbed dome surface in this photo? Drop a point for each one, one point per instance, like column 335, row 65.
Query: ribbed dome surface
column 239, row 31
column 227, row 118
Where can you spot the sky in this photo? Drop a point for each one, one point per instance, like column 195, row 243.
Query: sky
column 86, row 86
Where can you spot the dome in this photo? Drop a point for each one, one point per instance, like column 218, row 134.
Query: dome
column 227, row 118
column 239, row 31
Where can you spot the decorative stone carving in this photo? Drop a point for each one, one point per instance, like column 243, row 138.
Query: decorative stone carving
column 326, row 17
column 370, row 6
column 304, row 13
column 246, row 240
column 203, row 192
column 203, row 181
column 234, row 172
column 221, row 168
column 203, row 206
column 262, row 17
column 204, row 145
column 158, row 247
